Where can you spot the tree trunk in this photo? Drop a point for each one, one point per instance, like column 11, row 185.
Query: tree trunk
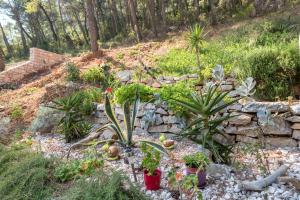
column 197, row 11
column 55, row 37
column 211, row 6
column 9, row 48
column 2, row 64
column 91, row 25
column 151, row 10
column 68, row 39
column 131, row 5
column 163, row 14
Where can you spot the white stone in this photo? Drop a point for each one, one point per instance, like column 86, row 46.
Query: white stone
column 296, row 109
column 293, row 119
column 253, row 107
column 125, row 75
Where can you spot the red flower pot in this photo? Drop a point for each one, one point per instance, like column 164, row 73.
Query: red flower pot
column 152, row 182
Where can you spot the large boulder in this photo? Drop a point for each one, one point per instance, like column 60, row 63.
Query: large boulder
column 46, row 119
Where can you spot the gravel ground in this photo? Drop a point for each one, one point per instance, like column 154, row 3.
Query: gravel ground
column 219, row 186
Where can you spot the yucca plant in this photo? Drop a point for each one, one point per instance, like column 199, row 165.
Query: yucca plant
column 195, row 40
column 72, row 124
column 203, row 128
column 125, row 135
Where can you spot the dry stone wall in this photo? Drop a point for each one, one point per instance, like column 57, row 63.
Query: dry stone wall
column 282, row 129
column 39, row 61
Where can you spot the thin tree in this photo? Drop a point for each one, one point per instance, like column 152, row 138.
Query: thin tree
column 91, row 25
column 134, row 21
column 195, row 41
column 2, row 64
column 151, row 10
column 9, row 48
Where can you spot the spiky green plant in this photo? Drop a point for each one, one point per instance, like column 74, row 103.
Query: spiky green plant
column 204, row 127
column 125, row 135
column 195, row 40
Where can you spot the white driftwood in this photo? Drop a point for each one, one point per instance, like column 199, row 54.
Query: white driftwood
column 259, row 185
column 286, row 179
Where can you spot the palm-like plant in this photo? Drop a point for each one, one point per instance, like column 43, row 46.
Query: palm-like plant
column 195, row 41
column 125, row 135
column 204, row 127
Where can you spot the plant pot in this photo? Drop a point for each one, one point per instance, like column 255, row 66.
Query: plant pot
column 201, row 179
column 152, row 182
column 190, row 170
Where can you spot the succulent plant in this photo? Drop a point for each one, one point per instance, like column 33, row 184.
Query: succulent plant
column 247, row 87
column 218, row 73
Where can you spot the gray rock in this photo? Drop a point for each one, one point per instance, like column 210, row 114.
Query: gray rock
column 235, row 107
column 46, row 119
column 251, row 130
column 158, row 120
column 4, row 129
column 226, row 87
column 159, row 129
column 296, row 109
column 253, row 107
column 124, row 76
column 230, row 129
column 296, row 134
column 140, row 131
column 161, row 111
column 277, row 126
column 149, row 106
column 100, row 107
column 103, row 120
column 175, row 129
column 246, row 139
column 293, row 119
column 218, row 170
column 225, row 139
column 240, row 119
column 107, row 134
column 171, row 119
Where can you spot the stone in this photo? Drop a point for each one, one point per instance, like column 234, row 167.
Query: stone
column 137, row 122
column 159, row 129
column 46, row 119
column 296, row 134
column 171, row 119
column 103, row 120
column 246, row 139
column 293, row 119
column 226, row 87
column 175, row 129
column 240, row 119
column 156, row 85
column 251, row 130
column 5, row 130
column 107, row 134
column 280, row 142
column 218, row 170
column 119, row 111
column 149, row 106
column 254, row 106
column 296, row 126
column 158, row 120
column 295, row 109
column 100, row 107
column 230, row 129
column 235, row 107
column 161, row 111
column 140, row 131
column 277, row 126
column 225, row 139
column 124, row 76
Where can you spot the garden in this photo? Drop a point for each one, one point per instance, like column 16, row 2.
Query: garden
column 217, row 119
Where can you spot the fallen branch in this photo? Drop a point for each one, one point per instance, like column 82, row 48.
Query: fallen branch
column 259, row 185
column 286, row 179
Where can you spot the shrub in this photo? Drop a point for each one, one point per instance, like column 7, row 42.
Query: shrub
column 197, row 160
column 73, row 72
column 24, row 175
column 151, row 158
column 16, row 112
column 67, row 171
column 180, row 90
column 93, row 75
column 88, row 97
column 128, row 93
column 103, row 185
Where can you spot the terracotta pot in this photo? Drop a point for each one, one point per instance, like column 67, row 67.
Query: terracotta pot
column 201, row 179
column 190, row 170
column 152, row 182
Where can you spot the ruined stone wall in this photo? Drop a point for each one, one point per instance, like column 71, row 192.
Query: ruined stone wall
column 282, row 130
column 39, row 61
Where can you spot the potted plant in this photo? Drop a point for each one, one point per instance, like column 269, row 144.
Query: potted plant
column 150, row 163
column 196, row 164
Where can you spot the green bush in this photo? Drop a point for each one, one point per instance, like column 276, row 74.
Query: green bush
column 93, row 75
column 16, row 112
column 103, row 185
column 24, row 175
column 180, row 90
column 73, row 72
column 88, row 97
column 128, row 93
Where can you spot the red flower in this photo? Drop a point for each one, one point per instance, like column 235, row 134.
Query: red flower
column 109, row 90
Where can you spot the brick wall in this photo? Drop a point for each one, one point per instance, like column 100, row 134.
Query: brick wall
column 39, row 61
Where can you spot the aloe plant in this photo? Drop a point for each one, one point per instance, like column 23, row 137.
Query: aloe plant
column 125, row 135
column 205, row 125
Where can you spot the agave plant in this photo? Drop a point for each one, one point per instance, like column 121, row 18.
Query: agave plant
column 125, row 135
column 218, row 74
column 204, row 128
